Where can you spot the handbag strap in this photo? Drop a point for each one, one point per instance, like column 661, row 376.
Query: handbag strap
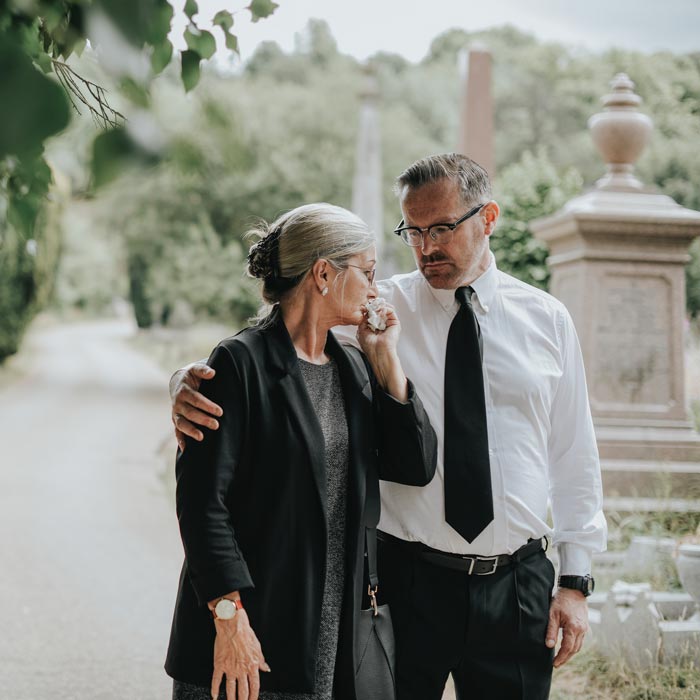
column 372, row 498
column 371, row 547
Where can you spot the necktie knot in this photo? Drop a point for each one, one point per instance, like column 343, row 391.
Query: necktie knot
column 464, row 295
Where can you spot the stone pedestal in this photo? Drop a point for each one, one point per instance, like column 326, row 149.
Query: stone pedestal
column 617, row 259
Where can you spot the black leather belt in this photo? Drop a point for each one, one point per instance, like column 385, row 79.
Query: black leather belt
column 471, row 564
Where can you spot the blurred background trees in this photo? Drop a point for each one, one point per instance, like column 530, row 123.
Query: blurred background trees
column 39, row 38
column 281, row 129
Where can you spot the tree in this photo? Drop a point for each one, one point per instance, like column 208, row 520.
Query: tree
column 37, row 39
column 527, row 190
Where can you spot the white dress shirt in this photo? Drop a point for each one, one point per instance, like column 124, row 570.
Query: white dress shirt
column 542, row 444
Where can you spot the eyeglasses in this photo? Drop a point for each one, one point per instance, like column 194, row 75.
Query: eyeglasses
column 440, row 233
column 369, row 274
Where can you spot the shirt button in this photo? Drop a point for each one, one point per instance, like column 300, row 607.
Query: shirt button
column 490, row 451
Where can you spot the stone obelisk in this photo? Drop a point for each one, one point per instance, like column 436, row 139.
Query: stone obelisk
column 617, row 256
column 476, row 116
column 367, row 200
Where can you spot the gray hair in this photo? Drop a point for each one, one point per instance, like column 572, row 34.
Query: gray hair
column 472, row 179
column 289, row 246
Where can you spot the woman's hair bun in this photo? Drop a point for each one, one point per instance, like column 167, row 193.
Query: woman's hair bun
column 262, row 257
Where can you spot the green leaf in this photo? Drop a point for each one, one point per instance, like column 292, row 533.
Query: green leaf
column 191, row 8
column 109, row 151
column 52, row 16
column 223, row 19
column 39, row 107
column 161, row 56
column 161, row 21
column 114, row 151
column 190, row 69
column 30, row 39
column 135, row 92
column 140, row 21
column 27, row 188
column 80, row 46
column 201, row 41
column 262, row 8
column 231, row 42
column 43, row 60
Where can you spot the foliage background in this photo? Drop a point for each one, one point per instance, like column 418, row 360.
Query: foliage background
column 169, row 234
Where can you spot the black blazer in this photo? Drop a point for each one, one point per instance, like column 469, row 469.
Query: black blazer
column 251, row 502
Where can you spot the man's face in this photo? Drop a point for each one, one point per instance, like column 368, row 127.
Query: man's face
column 460, row 261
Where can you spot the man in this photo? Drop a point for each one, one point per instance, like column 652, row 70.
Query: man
column 498, row 367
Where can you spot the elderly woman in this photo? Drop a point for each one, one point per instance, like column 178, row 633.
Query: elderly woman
column 272, row 506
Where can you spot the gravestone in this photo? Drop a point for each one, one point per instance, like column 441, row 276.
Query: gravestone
column 617, row 257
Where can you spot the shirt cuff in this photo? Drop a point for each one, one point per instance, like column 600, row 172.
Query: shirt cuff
column 574, row 560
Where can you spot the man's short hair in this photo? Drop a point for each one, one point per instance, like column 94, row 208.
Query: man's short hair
column 472, row 179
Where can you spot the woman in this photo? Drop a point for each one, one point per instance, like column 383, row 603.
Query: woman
column 272, row 505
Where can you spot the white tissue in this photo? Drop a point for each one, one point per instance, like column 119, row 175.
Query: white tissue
column 375, row 319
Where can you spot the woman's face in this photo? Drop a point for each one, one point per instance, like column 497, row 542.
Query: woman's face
column 354, row 286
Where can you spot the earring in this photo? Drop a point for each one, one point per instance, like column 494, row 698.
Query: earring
column 324, row 291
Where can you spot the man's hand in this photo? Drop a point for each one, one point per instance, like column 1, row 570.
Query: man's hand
column 238, row 657
column 190, row 408
column 568, row 612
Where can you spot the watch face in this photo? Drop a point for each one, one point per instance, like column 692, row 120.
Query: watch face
column 590, row 585
column 225, row 609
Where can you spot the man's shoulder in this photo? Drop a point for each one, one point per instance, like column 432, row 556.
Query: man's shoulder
column 516, row 289
column 404, row 283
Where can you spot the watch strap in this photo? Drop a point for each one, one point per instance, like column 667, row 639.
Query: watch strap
column 583, row 584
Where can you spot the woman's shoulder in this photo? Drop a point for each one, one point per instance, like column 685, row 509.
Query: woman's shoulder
column 240, row 349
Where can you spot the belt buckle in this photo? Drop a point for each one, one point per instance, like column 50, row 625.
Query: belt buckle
column 493, row 560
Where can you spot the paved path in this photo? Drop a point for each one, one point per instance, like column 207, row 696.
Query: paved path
column 89, row 548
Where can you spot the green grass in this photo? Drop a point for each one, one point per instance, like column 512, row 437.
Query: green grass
column 589, row 675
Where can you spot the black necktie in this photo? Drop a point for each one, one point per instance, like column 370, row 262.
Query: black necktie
column 468, row 498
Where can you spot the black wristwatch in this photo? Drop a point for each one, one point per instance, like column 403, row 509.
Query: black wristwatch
column 584, row 584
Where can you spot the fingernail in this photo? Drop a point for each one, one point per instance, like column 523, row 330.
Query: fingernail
column 267, row 668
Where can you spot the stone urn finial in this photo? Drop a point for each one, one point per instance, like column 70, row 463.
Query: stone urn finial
column 620, row 132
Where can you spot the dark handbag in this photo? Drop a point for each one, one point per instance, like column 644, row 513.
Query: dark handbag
column 374, row 644
column 375, row 677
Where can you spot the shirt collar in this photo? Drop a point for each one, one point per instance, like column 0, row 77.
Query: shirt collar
column 484, row 286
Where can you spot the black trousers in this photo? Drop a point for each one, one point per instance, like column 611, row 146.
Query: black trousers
column 487, row 631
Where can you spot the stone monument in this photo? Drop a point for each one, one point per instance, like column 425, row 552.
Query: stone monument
column 617, row 257
column 367, row 199
column 476, row 120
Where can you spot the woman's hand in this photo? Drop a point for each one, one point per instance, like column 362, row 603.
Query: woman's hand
column 380, row 350
column 376, row 344
column 238, row 657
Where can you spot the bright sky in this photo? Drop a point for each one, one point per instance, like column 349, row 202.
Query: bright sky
column 407, row 27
